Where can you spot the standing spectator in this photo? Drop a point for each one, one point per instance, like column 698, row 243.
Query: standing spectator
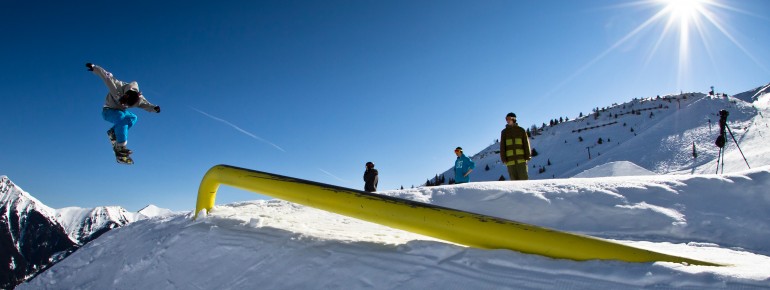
column 514, row 149
column 371, row 178
column 463, row 167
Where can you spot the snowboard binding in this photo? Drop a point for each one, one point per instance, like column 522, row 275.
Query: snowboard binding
column 122, row 154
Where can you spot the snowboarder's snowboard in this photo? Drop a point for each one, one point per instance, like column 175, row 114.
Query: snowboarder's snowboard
column 121, row 158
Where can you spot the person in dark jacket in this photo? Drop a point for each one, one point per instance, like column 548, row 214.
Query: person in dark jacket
column 371, row 178
column 514, row 149
column 463, row 167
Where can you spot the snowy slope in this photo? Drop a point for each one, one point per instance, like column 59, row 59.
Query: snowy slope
column 618, row 168
column 279, row 245
column 656, row 134
column 753, row 95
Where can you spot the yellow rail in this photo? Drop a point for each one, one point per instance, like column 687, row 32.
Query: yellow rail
column 474, row 230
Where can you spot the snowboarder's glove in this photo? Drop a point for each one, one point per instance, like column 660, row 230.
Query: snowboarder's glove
column 157, row 109
column 90, row 66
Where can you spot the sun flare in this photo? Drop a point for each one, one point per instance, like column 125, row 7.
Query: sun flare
column 683, row 10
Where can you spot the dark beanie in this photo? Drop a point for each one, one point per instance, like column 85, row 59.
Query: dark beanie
column 512, row 115
column 130, row 98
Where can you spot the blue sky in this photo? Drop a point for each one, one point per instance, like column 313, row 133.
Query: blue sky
column 315, row 89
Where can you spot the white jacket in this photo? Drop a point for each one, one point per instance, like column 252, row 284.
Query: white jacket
column 117, row 89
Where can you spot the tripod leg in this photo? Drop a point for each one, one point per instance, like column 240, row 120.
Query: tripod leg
column 719, row 155
column 739, row 147
column 723, row 162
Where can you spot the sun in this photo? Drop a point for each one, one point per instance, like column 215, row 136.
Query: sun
column 684, row 10
column 680, row 21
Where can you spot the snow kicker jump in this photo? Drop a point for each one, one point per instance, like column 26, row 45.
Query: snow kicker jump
column 474, row 230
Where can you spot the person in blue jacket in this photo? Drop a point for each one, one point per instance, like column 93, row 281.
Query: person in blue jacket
column 463, row 167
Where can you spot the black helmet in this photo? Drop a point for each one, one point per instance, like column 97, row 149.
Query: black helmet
column 131, row 98
column 369, row 165
column 512, row 115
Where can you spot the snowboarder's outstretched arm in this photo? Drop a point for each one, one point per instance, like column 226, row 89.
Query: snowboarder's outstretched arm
column 113, row 84
column 147, row 106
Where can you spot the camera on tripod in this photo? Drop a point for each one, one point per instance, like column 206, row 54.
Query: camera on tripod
column 723, row 118
column 722, row 140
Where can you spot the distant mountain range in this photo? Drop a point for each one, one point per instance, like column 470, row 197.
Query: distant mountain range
column 34, row 236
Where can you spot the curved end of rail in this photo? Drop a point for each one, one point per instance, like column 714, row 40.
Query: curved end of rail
column 207, row 191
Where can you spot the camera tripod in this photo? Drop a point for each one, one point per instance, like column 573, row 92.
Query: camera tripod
column 722, row 140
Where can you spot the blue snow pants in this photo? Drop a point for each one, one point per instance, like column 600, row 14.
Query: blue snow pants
column 122, row 121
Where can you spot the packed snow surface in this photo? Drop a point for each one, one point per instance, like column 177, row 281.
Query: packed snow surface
column 618, row 168
column 273, row 244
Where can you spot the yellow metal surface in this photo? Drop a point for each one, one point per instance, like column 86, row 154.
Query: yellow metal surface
column 470, row 229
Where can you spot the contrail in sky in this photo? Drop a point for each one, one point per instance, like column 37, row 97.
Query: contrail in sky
column 239, row 129
column 332, row 175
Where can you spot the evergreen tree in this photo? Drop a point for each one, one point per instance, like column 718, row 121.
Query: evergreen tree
column 486, row 168
column 534, row 152
column 502, row 178
column 600, row 141
column 580, row 139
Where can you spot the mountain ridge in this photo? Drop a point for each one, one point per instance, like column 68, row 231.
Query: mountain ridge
column 33, row 236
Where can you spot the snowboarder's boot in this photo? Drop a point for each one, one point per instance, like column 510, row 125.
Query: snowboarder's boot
column 122, row 154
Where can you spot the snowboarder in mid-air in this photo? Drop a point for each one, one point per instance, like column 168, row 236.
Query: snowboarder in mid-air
column 120, row 97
